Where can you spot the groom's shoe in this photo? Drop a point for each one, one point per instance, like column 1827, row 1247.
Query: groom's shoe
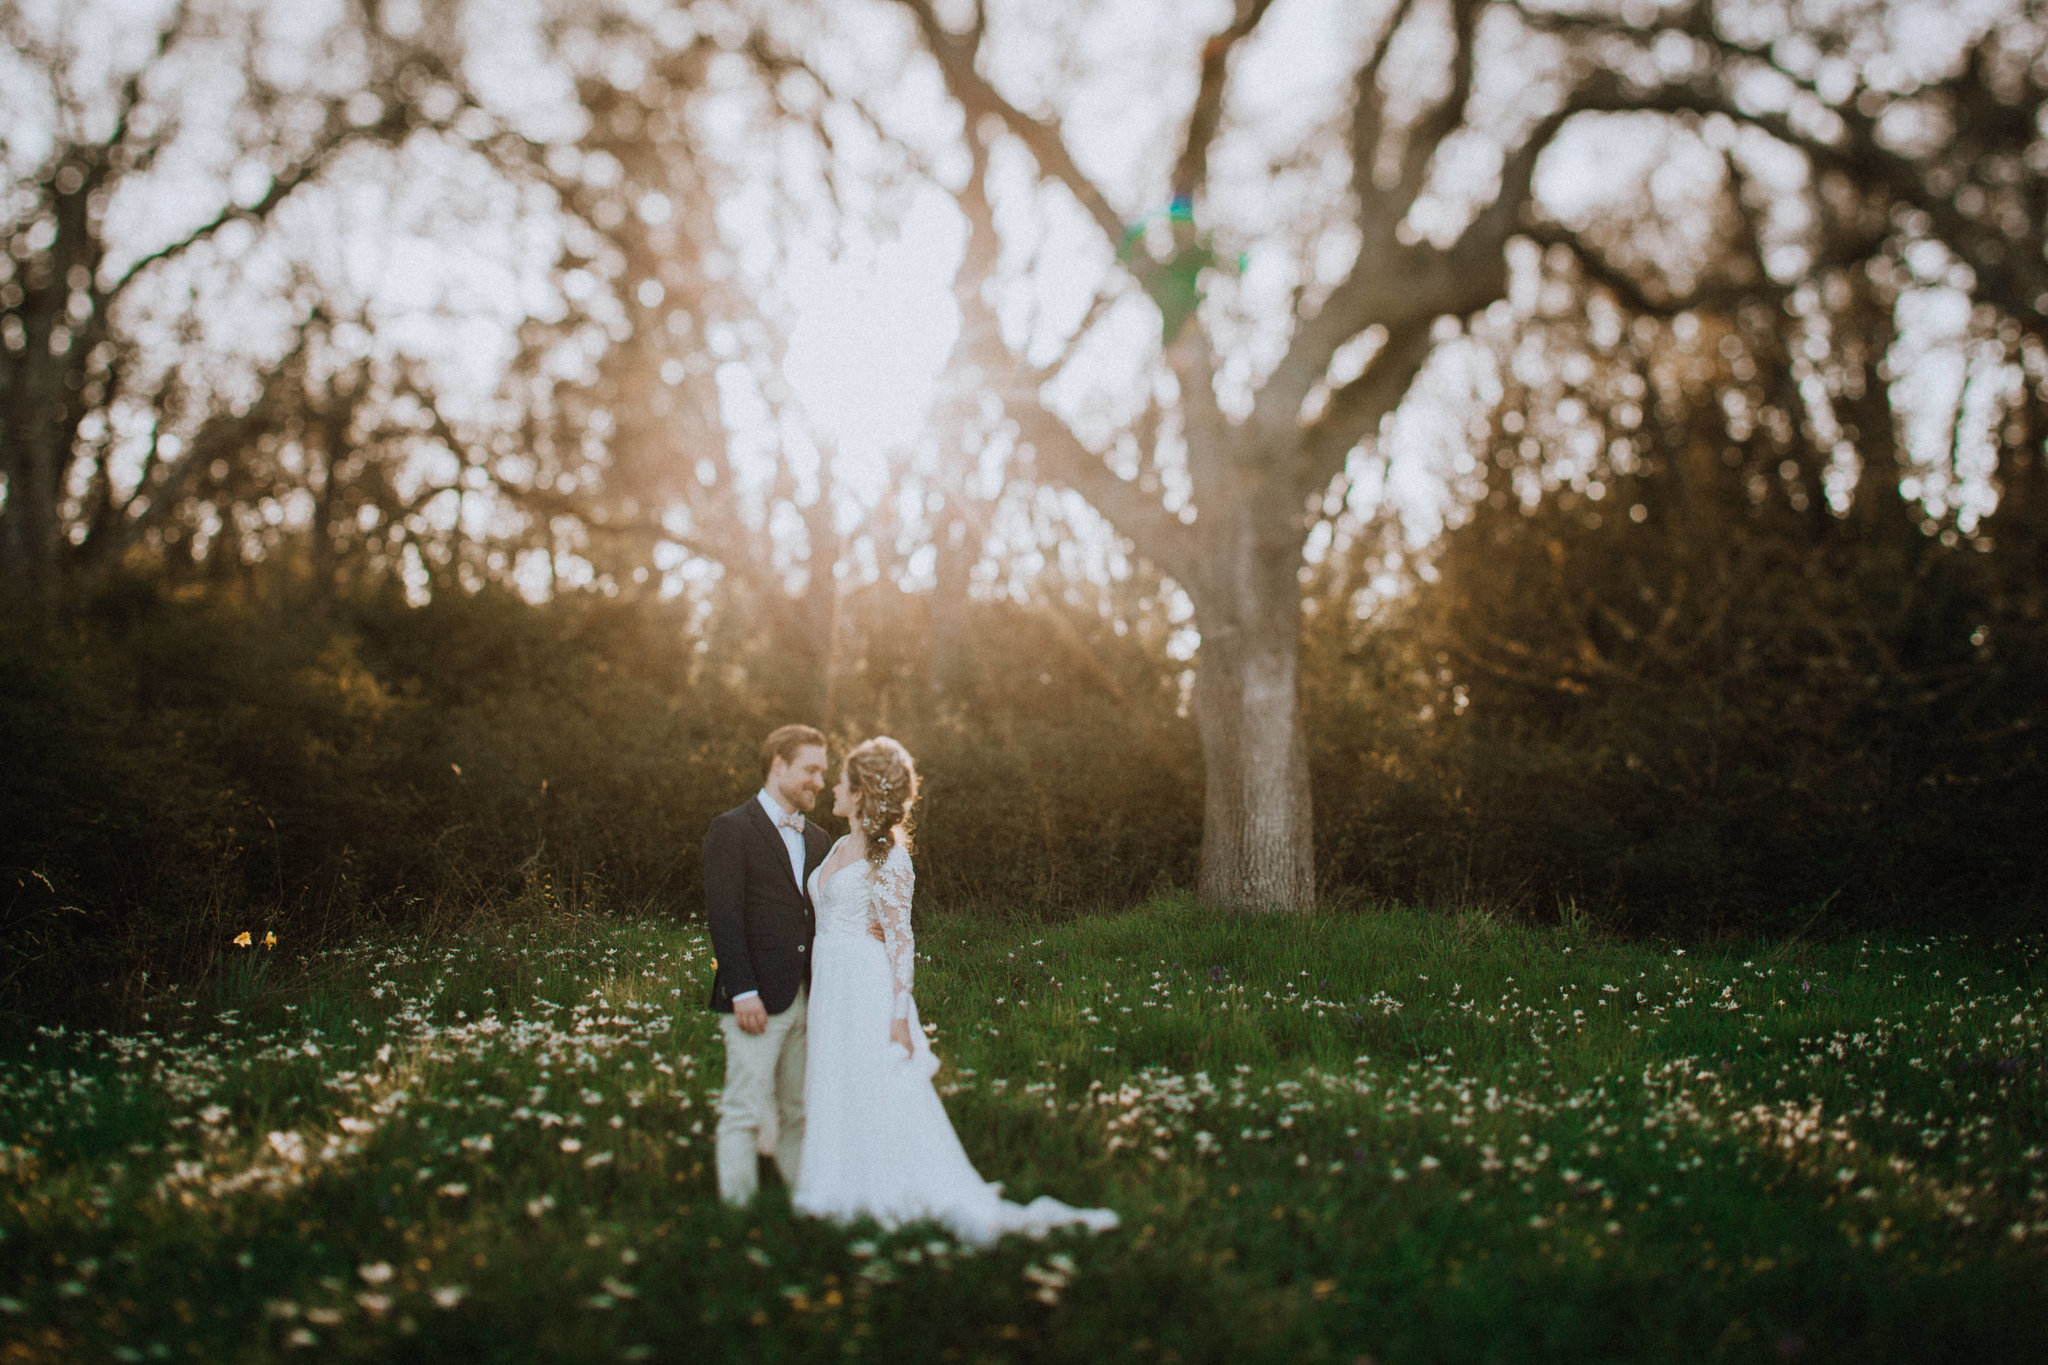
column 738, row 1169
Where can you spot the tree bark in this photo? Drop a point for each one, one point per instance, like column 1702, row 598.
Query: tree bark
column 1258, row 849
column 329, row 451
column 36, row 424
column 958, row 546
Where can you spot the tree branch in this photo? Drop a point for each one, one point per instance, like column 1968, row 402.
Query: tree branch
column 281, row 188
column 1135, row 514
column 642, row 526
column 1369, row 113
column 337, row 133
column 978, row 99
column 2014, row 278
column 1632, row 293
column 1277, row 410
column 1191, row 170
column 1060, row 455
column 1445, row 117
column 1490, row 229
column 1358, row 408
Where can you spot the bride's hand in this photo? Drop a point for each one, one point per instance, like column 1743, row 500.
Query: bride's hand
column 899, row 1033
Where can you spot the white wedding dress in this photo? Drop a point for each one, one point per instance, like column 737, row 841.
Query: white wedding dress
column 877, row 1141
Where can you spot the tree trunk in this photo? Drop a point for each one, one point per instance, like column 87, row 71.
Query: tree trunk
column 2017, row 523
column 1878, row 512
column 323, row 551
column 13, row 543
column 42, row 532
column 17, row 565
column 35, row 429
column 1258, row 845
column 1258, row 849
column 817, row 613
column 958, row 547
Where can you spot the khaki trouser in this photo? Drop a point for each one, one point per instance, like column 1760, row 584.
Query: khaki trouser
column 762, row 1108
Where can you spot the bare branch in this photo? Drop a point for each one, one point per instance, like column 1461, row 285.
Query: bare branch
column 1401, row 287
column 280, row 189
column 1491, row 227
column 131, row 96
column 978, row 98
column 2015, row 279
column 1136, row 514
column 1100, row 304
column 1356, row 409
column 336, row 135
column 1632, row 293
column 1192, row 168
column 639, row 526
column 1369, row 116
column 1342, row 315
column 1060, row 455
column 1444, row 117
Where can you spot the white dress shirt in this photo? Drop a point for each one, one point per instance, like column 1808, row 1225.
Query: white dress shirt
column 792, row 839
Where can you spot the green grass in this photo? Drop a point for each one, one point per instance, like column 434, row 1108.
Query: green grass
column 1380, row 1135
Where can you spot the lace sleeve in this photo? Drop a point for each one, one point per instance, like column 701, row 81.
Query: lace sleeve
column 893, row 882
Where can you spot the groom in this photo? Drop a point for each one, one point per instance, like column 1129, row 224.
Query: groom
column 758, row 859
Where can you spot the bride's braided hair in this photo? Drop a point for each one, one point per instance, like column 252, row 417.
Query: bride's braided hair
column 884, row 780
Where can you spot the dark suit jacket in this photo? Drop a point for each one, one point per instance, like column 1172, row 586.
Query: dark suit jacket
column 761, row 920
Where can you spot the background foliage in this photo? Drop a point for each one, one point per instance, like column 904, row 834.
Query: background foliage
column 189, row 769
column 192, row 765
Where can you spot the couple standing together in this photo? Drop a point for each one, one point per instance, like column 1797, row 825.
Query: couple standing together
column 826, row 1065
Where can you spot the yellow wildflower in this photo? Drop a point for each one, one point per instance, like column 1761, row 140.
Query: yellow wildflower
column 242, row 939
column 270, row 938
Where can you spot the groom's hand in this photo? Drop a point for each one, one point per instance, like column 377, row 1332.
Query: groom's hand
column 750, row 1014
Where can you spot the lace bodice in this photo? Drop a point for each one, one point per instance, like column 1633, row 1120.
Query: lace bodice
column 860, row 894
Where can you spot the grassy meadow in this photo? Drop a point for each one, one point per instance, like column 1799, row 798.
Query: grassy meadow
column 1368, row 1135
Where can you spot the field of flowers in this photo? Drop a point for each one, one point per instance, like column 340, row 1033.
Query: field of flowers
column 1379, row 1136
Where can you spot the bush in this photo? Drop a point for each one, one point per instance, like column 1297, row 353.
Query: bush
column 1748, row 727
column 191, row 769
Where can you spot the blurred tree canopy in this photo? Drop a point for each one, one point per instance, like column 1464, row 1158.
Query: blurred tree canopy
column 1612, row 476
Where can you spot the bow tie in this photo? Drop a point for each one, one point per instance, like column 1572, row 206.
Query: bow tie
column 794, row 820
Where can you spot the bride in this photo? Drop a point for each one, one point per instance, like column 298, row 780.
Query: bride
column 877, row 1140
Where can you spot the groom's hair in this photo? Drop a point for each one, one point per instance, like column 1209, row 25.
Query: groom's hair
column 784, row 741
